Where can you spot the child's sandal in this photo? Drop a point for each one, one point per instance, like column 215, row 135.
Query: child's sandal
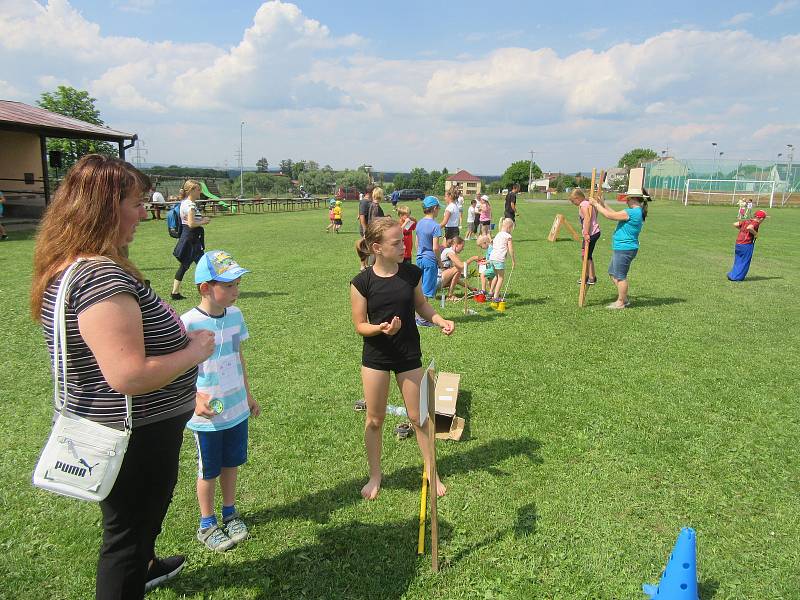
column 360, row 405
column 403, row 430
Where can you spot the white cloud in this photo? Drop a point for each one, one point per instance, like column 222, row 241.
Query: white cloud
column 739, row 18
column 778, row 132
column 8, row 91
column 307, row 93
column 50, row 82
column 783, row 7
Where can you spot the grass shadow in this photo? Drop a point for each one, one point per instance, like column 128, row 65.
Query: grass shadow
column 318, row 506
column 707, row 589
column 644, row 301
column 464, row 410
column 640, row 301
column 758, row 278
column 350, row 561
column 526, row 302
column 480, row 316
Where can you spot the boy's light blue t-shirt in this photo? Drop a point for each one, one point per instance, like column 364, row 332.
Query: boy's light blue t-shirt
column 427, row 229
column 229, row 331
column 626, row 235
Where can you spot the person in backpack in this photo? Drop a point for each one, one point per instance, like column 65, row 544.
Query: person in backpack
column 174, row 225
column 191, row 244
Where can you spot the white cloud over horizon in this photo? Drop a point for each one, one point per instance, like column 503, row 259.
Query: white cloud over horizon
column 306, row 93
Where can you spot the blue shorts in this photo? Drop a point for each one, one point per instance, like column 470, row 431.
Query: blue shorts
column 620, row 263
column 499, row 265
column 223, row 448
column 430, row 274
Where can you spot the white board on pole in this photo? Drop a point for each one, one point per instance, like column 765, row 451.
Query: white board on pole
column 423, row 394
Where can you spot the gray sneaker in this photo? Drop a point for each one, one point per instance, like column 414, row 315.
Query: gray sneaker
column 214, row 538
column 235, row 528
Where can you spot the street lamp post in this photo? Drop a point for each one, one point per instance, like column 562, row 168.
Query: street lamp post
column 708, row 195
column 787, row 187
column 241, row 160
column 530, row 170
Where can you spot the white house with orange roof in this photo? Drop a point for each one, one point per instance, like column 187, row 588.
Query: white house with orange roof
column 469, row 183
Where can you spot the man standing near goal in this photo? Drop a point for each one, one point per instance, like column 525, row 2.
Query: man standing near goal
column 745, row 243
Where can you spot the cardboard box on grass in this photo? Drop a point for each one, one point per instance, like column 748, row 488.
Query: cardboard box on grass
column 448, row 425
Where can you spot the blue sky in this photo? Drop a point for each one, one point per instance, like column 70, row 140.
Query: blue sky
column 471, row 85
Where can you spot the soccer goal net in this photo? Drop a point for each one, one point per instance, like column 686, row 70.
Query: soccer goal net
column 728, row 191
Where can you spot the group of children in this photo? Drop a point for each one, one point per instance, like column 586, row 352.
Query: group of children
column 334, row 216
column 745, row 209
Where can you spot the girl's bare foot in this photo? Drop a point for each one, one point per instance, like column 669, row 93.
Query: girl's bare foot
column 372, row 488
column 441, row 490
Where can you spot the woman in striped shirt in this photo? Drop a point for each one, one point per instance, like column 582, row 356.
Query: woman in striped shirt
column 121, row 339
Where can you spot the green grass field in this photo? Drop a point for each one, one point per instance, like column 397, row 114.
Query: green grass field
column 592, row 435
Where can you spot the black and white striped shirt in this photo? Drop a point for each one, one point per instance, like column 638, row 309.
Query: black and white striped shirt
column 89, row 394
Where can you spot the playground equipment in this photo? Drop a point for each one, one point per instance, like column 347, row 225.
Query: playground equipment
column 210, row 196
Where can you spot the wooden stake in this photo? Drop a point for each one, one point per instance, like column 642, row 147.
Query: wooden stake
column 432, row 488
column 466, row 287
column 423, row 513
column 585, row 263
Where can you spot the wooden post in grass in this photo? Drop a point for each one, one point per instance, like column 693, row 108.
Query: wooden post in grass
column 585, row 264
column 466, row 289
column 427, row 420
column 433, row 478
column 557, row 224
column 423, row 513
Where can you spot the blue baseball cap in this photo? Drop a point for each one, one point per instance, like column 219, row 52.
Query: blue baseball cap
column 217, row 265
column 430, row 202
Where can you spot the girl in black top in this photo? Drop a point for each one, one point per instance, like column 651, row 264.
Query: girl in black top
column 384, row 298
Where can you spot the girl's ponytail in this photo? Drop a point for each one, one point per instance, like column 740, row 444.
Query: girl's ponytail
column 362, row 250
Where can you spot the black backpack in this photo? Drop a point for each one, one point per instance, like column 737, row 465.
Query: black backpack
column 174, row 225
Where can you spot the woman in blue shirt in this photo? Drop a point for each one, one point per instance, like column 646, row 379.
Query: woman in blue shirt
column 625, row 242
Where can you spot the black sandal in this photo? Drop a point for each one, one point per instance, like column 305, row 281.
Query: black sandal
column 404, row 430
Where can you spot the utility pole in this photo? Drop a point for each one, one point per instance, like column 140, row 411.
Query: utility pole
column 708, row 195
column 241, row 161
column 787, row 187
column 530, row 171
column 140, row 150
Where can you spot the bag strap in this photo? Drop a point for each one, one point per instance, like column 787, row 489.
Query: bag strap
column 60, row 347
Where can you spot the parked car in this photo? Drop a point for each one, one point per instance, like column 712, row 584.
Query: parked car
column 411, row 194
column 350, row 193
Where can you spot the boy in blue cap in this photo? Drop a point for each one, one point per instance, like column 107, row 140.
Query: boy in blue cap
column 428, row 234
column 224, row 402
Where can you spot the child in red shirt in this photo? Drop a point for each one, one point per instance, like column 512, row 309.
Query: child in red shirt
column 745, row 244
column 409, row 225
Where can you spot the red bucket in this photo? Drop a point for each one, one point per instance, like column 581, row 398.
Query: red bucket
column 480, row 297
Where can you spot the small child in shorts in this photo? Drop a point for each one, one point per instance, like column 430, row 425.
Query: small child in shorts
column 409, row 225
column 485, row 267
column 502, row 248
column 337, row 216
column 224, row 402
column 331, row 216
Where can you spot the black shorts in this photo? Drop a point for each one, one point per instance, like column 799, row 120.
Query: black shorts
column 451, row 232
column 592, row 241
column 510, row 215
column 485, row 223
column 337, row 221
column 401, row 367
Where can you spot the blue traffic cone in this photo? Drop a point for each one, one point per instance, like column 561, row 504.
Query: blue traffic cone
column 679, row 579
